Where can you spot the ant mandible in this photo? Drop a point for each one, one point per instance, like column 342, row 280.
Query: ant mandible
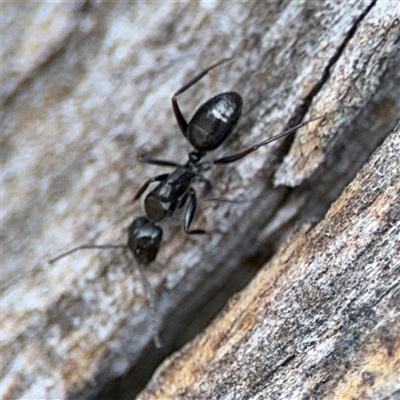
column 210, row 125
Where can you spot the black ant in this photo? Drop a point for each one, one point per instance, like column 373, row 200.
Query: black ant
column 210, row 125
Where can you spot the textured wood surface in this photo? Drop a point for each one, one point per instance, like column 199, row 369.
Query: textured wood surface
column 321, row 320
column 86, row 87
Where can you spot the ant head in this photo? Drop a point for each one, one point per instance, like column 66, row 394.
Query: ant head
column 144, row 240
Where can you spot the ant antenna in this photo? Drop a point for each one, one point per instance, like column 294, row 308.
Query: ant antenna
column 150, row 295
column 151, row 300
column 86, row 246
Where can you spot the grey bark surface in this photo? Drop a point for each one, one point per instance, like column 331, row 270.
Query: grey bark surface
column 321, row 320
column 86, row 87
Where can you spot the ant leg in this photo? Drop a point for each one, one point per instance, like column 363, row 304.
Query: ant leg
column 189, row 214
column 147, row 159
column 182, row 201
column 230, row 201
column 180, row 119
column 207, row 189
column 236, row 157
column 158, row 178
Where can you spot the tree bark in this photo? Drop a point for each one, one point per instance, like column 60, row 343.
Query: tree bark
column 321, row 319
column 87, row 87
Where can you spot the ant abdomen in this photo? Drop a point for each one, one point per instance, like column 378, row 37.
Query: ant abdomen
column 214, row 121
